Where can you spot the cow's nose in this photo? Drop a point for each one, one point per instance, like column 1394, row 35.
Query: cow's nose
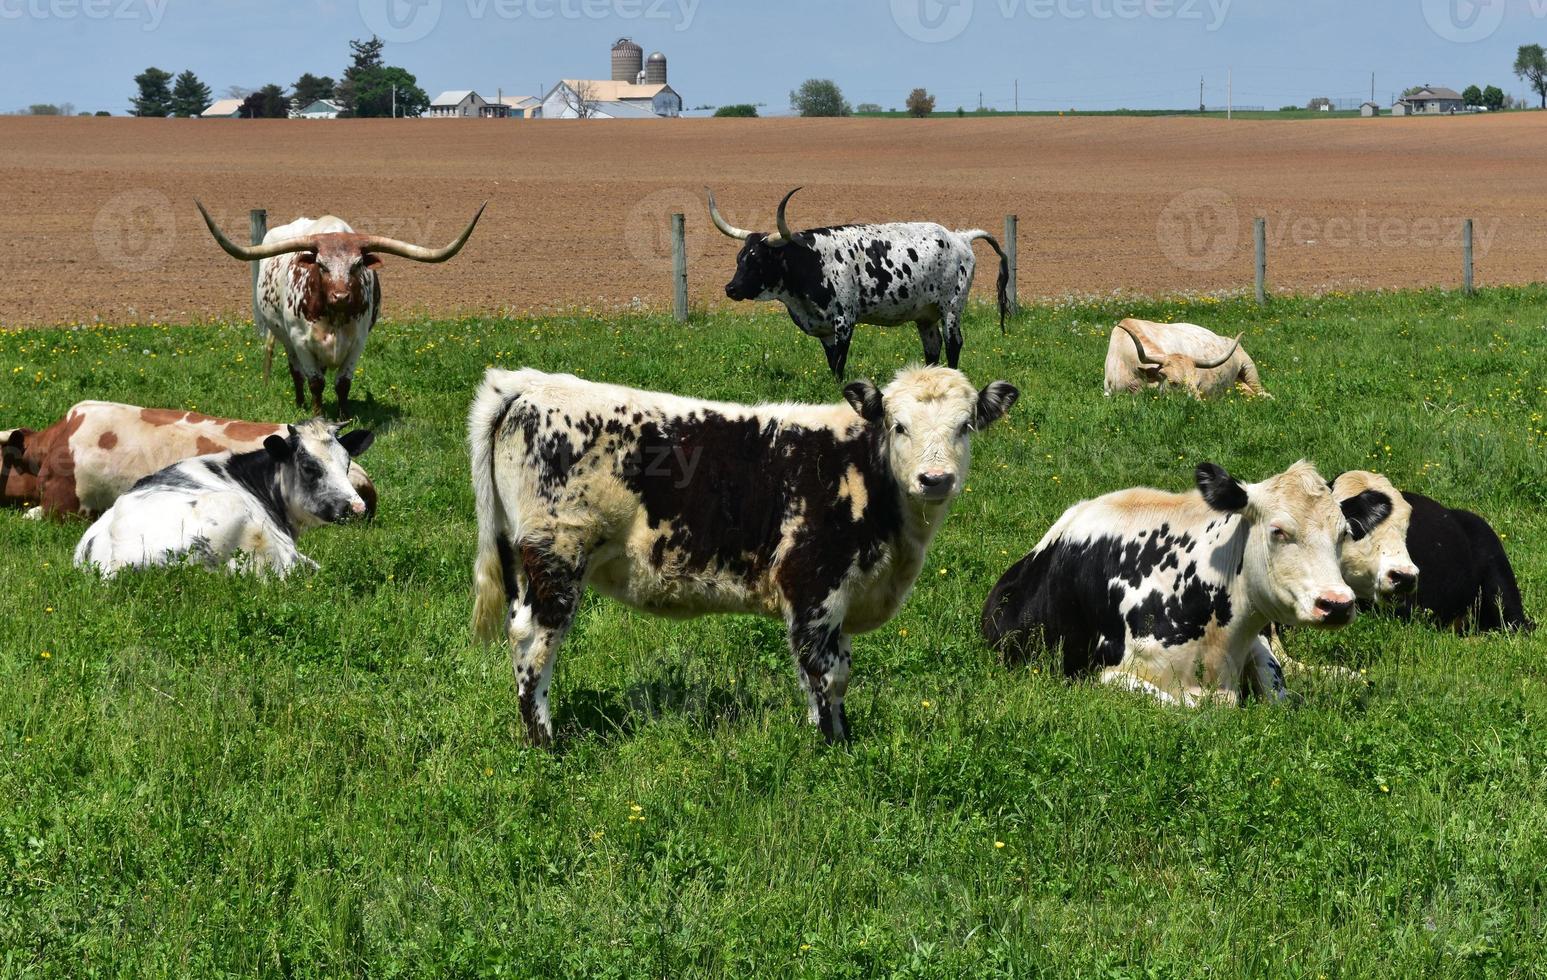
column 1335, row 608
column 358, row 506
column 936, row 483
column 1403, row 581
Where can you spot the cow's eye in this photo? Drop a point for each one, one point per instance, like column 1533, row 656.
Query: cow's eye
column 900, row 429
column 1280, row 535
column 966, row 430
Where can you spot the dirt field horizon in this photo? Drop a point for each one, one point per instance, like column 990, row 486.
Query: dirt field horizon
column 100, row 225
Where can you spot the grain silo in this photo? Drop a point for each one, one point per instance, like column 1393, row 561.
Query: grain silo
column 655, row 69
column 628, row 61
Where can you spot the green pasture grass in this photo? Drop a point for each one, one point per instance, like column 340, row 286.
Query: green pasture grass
column 206, row 776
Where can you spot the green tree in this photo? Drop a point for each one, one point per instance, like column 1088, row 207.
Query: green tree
column 1531, row 67
column 43, row 109
column 309, row 88
column 819, row 97
column 365, row 57
column 920, row 103
column 1493, row 98
column 1472, row 96
column 269, row 102
column 373, row 93
column 190, row 96
column 736, row 112
column 155, row 98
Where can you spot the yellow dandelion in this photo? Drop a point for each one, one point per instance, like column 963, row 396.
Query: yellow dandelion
column 488, row 772
column 927, row 704
column 1384, row 788
column 903, row 632
column 998, row 845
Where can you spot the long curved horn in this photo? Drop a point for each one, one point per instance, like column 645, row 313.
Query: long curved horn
column 391, row 246
column 1211, row 365
column 255, row 253
column 785, row 235
column 726, row 228
column 1138, row 345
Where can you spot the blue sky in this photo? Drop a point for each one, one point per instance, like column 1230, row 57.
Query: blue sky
column 1089, row 54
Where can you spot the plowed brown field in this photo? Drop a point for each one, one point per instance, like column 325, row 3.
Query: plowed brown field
column 98, row 220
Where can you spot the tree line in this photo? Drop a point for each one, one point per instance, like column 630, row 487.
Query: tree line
column 365, row 91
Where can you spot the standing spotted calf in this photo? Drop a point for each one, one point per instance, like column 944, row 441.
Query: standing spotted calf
column 819, row 515
column 1167, row 593
column 241, row 512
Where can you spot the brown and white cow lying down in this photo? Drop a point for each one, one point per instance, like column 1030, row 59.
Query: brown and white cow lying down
column 1167, row 593
column 241, row 512
column 1142, row 354
column 84, row 462
column 819, row 515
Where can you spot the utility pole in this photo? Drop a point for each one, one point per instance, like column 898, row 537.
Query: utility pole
column 1201, row 104
column 1230, row 93
column 1017, row 96
column 394, row 101
column 1372, row 86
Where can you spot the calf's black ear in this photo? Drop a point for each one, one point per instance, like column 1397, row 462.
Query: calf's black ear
column 865, row 398
column 15, row 444
column 357, row 442
column 1221, row 491
column 994, row 402
column 1366, row 512
column 279, row 448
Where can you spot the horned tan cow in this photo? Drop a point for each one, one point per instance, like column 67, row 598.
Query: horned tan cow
column 319, row 293
column 830, row 279
column 1142, row 354
column 1167, row 593
column 818, row 515
column 242, row 512
column 92, row 456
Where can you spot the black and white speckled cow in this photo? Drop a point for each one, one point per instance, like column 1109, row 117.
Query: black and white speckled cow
column 833, row 278
column 819, row 515
column 1167, row 593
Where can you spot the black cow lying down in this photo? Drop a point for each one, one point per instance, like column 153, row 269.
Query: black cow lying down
column 1464, row 576
column 819, row 515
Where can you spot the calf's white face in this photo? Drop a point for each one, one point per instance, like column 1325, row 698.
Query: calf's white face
column 927, row 417
column 314, row 471
column 1378, row 565
column 1295, row 532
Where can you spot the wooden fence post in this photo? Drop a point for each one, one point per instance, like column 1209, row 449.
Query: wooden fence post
column 679, row 267
column 1261, row 229
column 1466, row 248
column 258, row 226
column 1011, row 230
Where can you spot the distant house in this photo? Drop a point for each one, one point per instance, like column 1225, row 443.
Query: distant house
column 321, row 109
column 522, row 106
column 1433, row 101
column 1369, row 109
column 224, row 109
column 463, row 104
column 611, row 100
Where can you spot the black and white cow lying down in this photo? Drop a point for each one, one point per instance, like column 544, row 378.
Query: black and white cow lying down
column 819, row 515
column 1465, row 581
column 830, row 279
column 242, row 512
column 1168, row 593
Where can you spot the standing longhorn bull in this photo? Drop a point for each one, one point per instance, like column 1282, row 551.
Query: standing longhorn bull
column 319, row 294
column 833, row 278
column 1142, row 354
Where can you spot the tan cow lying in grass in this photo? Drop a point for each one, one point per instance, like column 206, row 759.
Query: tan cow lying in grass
column 1142, row 354
column 91, row 457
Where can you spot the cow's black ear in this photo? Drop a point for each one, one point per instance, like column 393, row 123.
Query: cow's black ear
column 1221, row 491
column 357, row 442
column 865, row 399
column 15, row 445
column 279, row 448
column 995, row 401
column 1366, row 512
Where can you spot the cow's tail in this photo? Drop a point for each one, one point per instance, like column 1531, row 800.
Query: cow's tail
column 490, row 601
column 268, row 360
column 1004, row 273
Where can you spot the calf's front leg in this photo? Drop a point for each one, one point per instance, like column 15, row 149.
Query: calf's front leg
column 823, row 660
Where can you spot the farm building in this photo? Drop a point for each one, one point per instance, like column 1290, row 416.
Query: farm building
column 638, row 89
column 321, row 109
column 224, row 109
column 464, row 104
column 1369, row 110
column 1431, row 101
column 522, row 106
